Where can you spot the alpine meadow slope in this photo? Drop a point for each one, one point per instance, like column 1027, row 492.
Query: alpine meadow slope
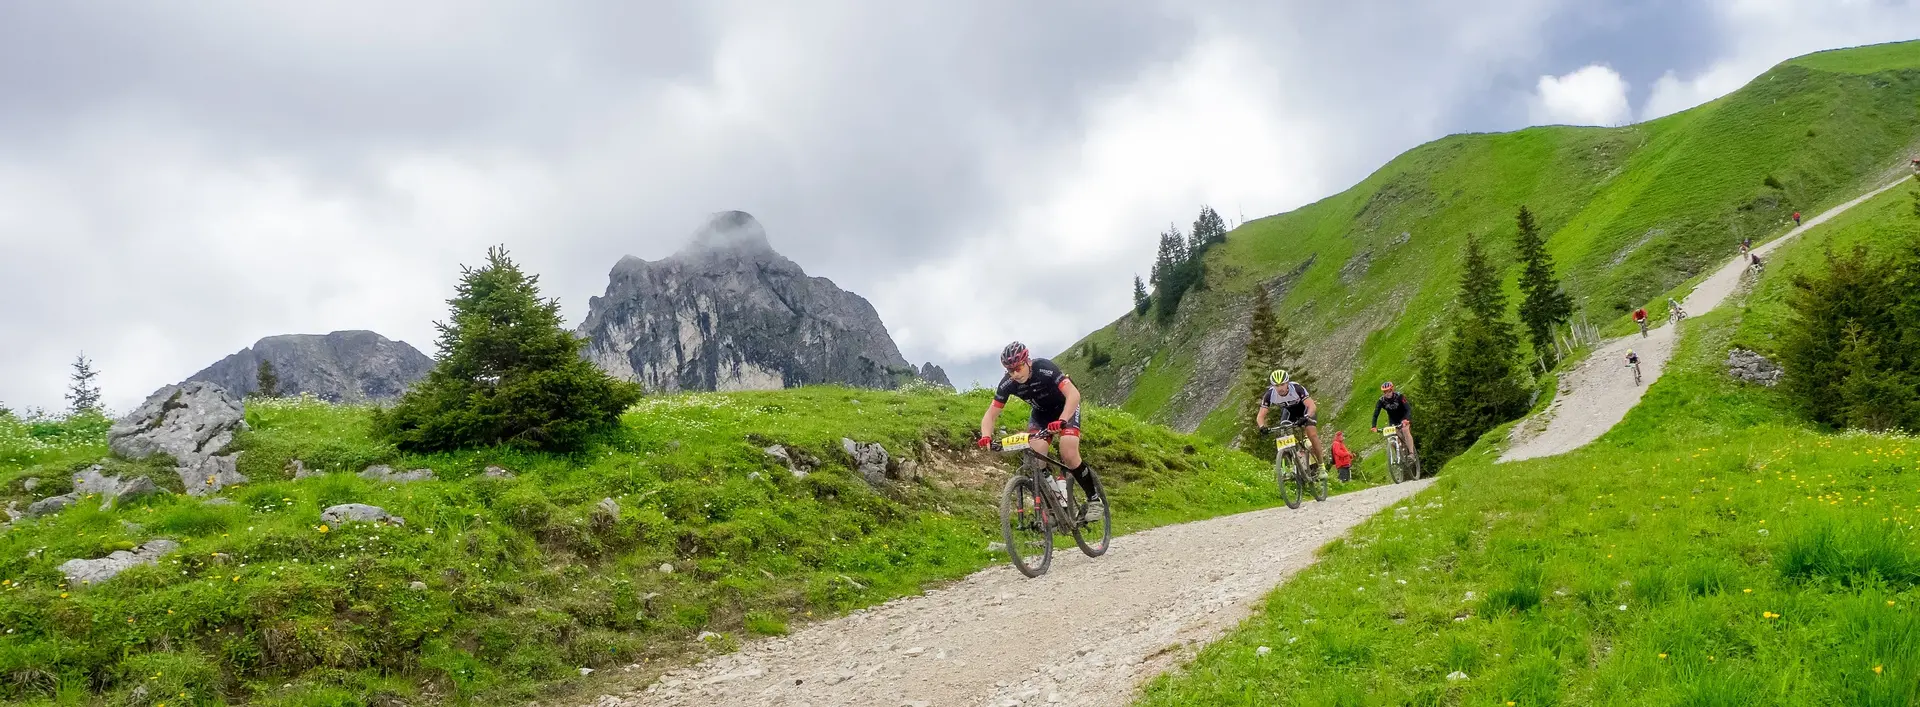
column 674, row 535
column 1716, row 547
column 1630, row 212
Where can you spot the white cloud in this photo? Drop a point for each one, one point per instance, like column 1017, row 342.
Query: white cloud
column 1592, row 95
column 1763, row 33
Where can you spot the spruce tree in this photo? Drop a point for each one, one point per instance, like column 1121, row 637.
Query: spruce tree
column 1543, row 305
column 1481, row 379
column 266, row 383
column 1427, row 367
column 1141, row 302
column 83, row 394
column 1269, row 346
column 1873, row 396
column 507, row 373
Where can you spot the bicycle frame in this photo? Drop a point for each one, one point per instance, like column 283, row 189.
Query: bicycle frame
column 1035, row 465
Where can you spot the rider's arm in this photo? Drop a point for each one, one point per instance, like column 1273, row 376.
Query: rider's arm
column 1312, row 407
column 1073, row 399
column 1260, row 418
column 1377, row 407
column 987, row 420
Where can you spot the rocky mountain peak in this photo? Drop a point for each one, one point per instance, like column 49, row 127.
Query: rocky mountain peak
column 343, row 366
column 727, row 312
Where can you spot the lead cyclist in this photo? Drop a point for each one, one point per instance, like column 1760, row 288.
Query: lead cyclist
column 1056, row 408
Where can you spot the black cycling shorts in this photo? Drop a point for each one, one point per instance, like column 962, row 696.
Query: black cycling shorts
column 1296, row 412
column 1069, row 427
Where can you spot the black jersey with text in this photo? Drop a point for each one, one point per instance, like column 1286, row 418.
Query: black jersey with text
column 1044, row 390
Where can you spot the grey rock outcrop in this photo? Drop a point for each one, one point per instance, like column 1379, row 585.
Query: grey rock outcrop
column 729, row 313
column 193, row 423
column 344, row 366
column 496, row 472
column 869, row 460
column 100, row 570
column 382, row 472
column 1752, row 367
column 92, row 482
column 349, row 512
column 797, row 462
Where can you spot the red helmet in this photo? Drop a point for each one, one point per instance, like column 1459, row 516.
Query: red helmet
column 1014, row 355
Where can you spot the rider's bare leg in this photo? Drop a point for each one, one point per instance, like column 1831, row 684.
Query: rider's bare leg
column 1070, row 450
column 1406, row 436
column 1313, row 436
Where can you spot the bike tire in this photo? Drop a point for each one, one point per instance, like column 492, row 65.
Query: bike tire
column 1395, row 470
column 1319, row 485
column 1082, row 529
column 1022, row 526
column 1286, row 470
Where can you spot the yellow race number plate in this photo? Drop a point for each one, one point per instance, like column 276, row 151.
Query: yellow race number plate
column 1014, row 443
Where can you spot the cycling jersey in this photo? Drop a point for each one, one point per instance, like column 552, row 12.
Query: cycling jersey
column 1396, row 407
column 1045, row 390
column 1292, row 400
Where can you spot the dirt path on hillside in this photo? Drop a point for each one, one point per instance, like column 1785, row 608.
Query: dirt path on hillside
column 1089, row 632
column 1596, row 394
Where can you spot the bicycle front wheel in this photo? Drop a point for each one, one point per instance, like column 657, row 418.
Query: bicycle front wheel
column 1395, row 470
column 1286, row 470
column 1025, row 526
column 1092, row 536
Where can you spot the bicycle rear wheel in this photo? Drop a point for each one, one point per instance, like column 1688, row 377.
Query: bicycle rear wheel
column 1092, row 537
column 1286, row 470
column 1024, row 526
column 1318, row 484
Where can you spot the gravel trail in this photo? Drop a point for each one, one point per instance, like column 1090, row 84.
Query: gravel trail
column 1088, row 632
column 1597, row 393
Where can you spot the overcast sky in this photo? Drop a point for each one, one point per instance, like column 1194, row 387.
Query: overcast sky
column 178, row 180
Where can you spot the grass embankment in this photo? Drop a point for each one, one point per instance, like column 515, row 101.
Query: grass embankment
column 1710, row 550
column 522, row 582
column 1630, row 212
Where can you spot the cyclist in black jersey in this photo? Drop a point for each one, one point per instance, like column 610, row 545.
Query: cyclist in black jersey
column 1295, row 404
column 1056, row 409
column 1398, row 411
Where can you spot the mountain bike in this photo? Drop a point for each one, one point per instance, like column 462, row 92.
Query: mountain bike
column 1643, row 327
column 1679, row 315
column 1290, row 467
column 1037, row 504
column 1400, row 465
column 1635, row 365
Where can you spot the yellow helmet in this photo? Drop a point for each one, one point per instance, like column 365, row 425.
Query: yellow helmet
column 1279, row 376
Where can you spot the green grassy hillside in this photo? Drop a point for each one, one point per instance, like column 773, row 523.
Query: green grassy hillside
column 524, row 581
column 1713, row 549
column 1632, row 213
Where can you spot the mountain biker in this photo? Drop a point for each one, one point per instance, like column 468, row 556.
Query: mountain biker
column 1674, row 310
column 1756, row 261
column 1746, row 244
column 1640, row 317
column 1295, row 403
column 1056, row 408
column 1633, row 359
column 1398, row 412
column 1796, row 218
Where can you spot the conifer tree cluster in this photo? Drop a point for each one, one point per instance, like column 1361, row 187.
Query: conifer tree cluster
column 1480, row 383
column 1543, row 305
column 1180, row 264
column 1852, row 352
